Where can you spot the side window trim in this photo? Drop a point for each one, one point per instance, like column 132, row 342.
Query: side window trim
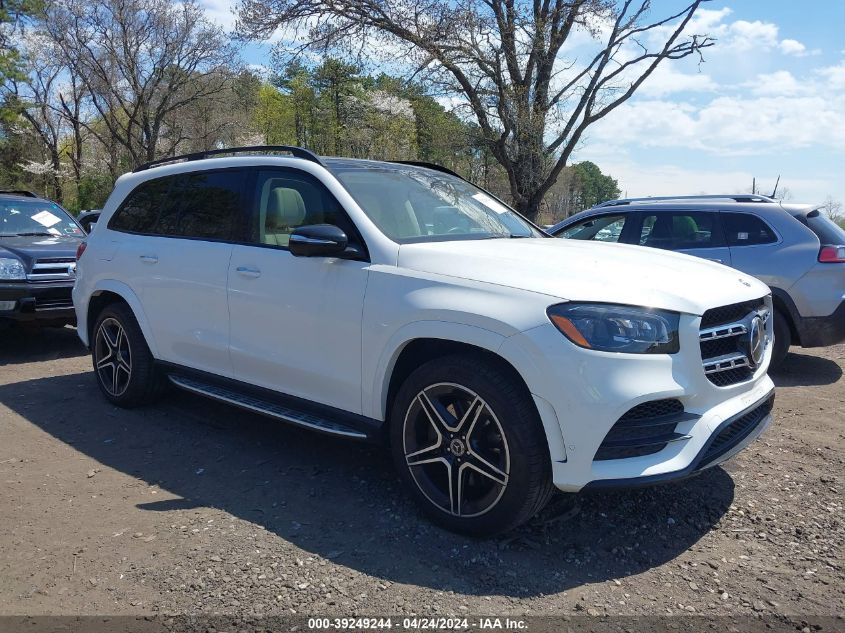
column 174, row 180
column 252, row 207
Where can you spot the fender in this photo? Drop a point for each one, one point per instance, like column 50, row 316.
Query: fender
column 375, row 397
column 128, row 295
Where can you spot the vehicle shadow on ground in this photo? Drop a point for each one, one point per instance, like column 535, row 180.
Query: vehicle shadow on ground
column 803, row 370
column 23, row 344
column 342, row 501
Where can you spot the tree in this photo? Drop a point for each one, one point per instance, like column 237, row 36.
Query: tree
column 33, row 93
column 140, row 61
column 592, row 185
column 833, row 210
column 506, row 60
column 13, row 13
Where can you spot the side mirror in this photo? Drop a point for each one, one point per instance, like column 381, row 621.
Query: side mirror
column 318, row 240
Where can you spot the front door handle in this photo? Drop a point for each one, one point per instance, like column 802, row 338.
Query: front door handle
column 248, row 271
column 149, row 259
column 715, row 259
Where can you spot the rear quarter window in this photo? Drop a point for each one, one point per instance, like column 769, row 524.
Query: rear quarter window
column 745, row 229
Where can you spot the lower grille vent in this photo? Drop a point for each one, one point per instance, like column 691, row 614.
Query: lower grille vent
column 644, row 430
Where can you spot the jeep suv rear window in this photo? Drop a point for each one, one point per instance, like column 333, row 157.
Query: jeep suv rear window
column 744, row 229
column 828, row 232
column 199, row 205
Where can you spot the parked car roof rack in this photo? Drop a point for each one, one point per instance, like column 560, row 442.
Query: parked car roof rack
column 18, row 192
column 742, row 197
column 297, row 152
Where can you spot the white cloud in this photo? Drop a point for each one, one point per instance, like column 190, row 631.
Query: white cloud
column 834, row 76
column 730, row 125
column 792, row 47
column 778, row 83
column 666, row 80
column 220, row 12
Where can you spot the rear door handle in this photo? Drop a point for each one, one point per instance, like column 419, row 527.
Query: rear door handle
column 248, row 271
column 716, row 259
column 149, row 259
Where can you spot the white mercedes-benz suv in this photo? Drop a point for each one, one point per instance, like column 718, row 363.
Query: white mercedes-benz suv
column 398, row 303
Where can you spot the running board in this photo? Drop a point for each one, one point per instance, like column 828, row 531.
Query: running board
column 265, row 407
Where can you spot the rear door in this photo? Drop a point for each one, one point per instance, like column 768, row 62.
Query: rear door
column 175, row 256
column 696, row 233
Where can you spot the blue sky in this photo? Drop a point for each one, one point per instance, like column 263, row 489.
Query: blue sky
column 769, row 100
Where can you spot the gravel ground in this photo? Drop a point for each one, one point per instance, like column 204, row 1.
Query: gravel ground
column 196, row 507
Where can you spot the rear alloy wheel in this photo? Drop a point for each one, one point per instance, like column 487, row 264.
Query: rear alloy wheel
column 469, row 445
column 113, row 357
column 125, row 368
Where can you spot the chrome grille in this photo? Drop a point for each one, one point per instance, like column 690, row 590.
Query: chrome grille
column 724, row 341
column 53, row 269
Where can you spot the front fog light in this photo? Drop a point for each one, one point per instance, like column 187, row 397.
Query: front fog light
column 7, row 305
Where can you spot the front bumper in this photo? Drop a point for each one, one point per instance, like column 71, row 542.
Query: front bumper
column 822, row 331
column 729, row 438
column 37, row 301
column 584, row 393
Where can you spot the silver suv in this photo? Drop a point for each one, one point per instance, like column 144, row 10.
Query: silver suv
column 793, row 248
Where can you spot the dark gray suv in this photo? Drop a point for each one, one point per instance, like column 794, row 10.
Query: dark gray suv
column 793, row 248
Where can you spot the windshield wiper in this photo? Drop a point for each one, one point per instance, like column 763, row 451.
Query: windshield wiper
column 30, row 233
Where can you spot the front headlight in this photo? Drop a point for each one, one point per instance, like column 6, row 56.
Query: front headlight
column 11, row 269
column 617, row 328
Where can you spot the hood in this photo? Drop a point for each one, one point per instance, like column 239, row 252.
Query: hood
column 588, row 271
column 28, row 248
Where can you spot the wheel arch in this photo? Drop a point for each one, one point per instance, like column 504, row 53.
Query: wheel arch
column 786, row 306
column 109, row 292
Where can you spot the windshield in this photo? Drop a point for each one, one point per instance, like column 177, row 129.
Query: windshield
column 418, row 205
column 35, row 217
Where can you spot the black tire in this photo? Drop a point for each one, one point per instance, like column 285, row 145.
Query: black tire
column 118, row 348
column 506, row 430
column 783, row 339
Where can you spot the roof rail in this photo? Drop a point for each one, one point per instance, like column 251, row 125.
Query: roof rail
column 18, row 192
column 434, row 166
column 738, row 197
column 297, row 152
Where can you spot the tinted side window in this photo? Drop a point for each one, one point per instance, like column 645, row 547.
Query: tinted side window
column 287, row 199
column 606, row 228
column 744, row 229
column 679, row 230
column 202, row 205
column 209, row 204
column 140, row 211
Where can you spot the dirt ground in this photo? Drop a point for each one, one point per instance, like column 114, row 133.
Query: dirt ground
column 195, row 507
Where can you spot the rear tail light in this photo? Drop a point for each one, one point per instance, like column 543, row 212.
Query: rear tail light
column 81, row 249
column 832, row 255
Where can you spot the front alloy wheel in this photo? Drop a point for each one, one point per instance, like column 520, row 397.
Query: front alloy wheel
column 456, row 450
column 469, row 444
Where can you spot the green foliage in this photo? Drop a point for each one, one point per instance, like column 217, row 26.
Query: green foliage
column 12, row 14
column 594, row 186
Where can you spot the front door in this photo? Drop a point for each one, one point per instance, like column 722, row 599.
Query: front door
column 295, row 322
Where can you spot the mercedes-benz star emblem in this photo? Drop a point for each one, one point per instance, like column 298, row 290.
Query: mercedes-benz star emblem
column 457, row 447
column 757, row 341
